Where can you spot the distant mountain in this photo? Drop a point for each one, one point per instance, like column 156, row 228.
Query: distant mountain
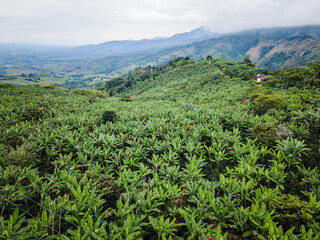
column 264, row 50
column 269, row 48
column 129, row 46
column 286, row 32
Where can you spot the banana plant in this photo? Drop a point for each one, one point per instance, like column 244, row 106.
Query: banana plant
column 239, row 218
column 308, row 175
column 146, row 202
column 177, row 145
column 51, row 153
column 265, row 195
column 261, row 221
column 131, row 162
column 8, row 192
column 209, row 150
column 172, row 172
column 131, row 229
column 39, row 230
column 90, row 230
column 219, row 212
column 171, row 157
column 173, row 190
column 277, row 174
column 293, row 149
column 247, row 189
column 39, row 187
column 201, row 201
column 129, row 180
column 164, row 227
column 312, row 233
column 264, row 151
column 218, row 234
column 55, row 208
column 197, row 229
column 86, row 201
column 245, row 170
column 219, row 157
column 15, row 228
column 193, row 169
column 156, row 161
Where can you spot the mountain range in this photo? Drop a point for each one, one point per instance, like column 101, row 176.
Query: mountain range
column 269, row 48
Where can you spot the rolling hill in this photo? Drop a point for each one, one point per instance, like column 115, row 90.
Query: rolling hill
column 187, row 150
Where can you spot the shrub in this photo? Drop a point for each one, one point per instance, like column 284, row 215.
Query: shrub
column 20, row 156
column 49, row 84
column 291, row 211
column 266, row 102
column 4, row 85
column 294, row 77
column 272, row 82
column 216, row 75
column 248, row 62
column 265, row 99
column 109, row 116
column 90, row 93
column 265, row 134
column 126, row 99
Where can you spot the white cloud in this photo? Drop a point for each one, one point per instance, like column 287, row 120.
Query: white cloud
column 94, row 21
column 248, row 14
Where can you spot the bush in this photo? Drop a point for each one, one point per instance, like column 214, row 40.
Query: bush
column 265, row 99
column 265, row 134
column 272, row 82
column 49, row 84
column 256, row 91
column 266, row 102
column 248, row 62
column 4, row 85
column 90, row 93
column 20, row 156
column 216, row 75
column 126, row 99
column 109, row 116
column 291, row 211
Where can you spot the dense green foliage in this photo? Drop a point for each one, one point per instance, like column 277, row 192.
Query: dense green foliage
column 191, row 75
column 291, row 211
column 187, row 157
column 299, row 77
column 91, row 93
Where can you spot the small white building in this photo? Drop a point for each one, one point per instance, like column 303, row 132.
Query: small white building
column 261, row 78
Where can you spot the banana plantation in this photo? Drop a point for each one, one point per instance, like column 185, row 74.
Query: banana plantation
column 189, row 150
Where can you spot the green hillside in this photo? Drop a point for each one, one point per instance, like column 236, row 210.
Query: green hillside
column 187, row 150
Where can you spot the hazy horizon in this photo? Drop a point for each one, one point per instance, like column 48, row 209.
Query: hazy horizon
column 80, row 22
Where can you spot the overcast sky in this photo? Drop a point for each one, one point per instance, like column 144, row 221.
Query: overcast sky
column 76, row 22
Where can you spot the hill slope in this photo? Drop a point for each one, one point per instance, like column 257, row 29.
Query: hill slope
column 199, row 153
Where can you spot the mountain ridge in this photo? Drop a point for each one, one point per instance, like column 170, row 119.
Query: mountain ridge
column 268, row 48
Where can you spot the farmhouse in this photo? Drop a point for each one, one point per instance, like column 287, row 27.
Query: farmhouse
column 261, row 78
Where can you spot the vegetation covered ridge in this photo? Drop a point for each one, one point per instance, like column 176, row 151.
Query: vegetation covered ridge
column 189, row 150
